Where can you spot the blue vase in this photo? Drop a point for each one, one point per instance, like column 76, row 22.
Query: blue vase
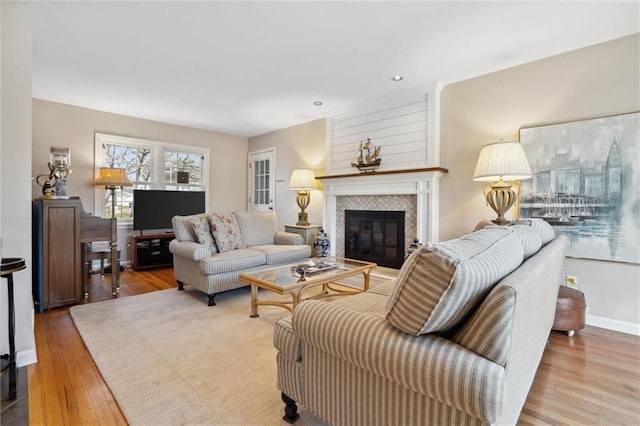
column 413, row 247
column 322, row 244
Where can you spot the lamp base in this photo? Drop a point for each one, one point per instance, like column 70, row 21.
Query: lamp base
column 302, row 199
column 303, row 219
column 500, row 197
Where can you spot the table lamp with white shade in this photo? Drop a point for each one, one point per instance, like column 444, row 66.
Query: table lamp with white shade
column 303, row 181
column 501, row 165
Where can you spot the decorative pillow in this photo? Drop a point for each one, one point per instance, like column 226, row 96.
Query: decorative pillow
column 257, row 228
column 226, row 231
column 488, row 331
column 439, row 284
column 202, row 230
column 530, row 235
column 546, row 231
column 483, row 224
column 182, row 227
column 531, row 238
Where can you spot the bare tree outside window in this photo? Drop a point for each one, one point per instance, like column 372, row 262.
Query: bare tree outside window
column 176, row 161
column 149, row 165
column 135, row 160
column 137, row 163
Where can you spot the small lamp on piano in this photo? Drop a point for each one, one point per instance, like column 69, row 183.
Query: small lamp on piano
column 502, row 165
column 112, row 178
column 303, row 181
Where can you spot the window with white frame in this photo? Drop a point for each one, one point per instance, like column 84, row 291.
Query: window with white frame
column 183, row 168
column 148, row 165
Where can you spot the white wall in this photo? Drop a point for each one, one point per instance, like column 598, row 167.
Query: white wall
column 301, row 146
column 15, row 171
column 596, row 81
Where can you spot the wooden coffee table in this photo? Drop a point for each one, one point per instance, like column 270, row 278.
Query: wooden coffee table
column 289, row 279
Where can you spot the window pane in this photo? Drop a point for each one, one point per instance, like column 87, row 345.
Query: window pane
column 189, row 162
column 134, row 159
column 261, row 182
column 123, row 203
column 176, row 169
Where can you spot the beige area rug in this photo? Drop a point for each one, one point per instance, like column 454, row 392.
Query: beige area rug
column 169, row 359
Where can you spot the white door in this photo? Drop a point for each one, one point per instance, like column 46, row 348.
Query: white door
column 262, row 180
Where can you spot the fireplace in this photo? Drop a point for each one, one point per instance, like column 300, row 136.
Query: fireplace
column 375, row 236
column 414, row 192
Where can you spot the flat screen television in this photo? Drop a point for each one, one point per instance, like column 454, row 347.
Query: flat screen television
column 153, row 209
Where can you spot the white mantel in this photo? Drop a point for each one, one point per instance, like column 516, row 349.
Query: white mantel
column 423, row 183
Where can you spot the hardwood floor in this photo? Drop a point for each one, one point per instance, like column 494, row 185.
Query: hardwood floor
column 65, row 386
column 590, row 378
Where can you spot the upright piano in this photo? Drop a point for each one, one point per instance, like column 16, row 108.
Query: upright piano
column 62, row 230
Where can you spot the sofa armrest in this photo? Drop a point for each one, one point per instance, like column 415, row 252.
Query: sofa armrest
column 189, row 250
column 428, row 364
column 288, row 238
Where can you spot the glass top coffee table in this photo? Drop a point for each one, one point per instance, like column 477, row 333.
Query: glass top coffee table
column 296, row 278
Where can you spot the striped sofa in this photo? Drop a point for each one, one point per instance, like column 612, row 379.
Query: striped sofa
column 213, row 266
column 456, row 339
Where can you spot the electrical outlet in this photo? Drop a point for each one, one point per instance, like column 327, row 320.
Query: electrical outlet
column 572, row 281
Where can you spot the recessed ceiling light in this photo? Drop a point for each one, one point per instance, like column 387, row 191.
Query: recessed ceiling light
column 317, row 103
column 396, row 78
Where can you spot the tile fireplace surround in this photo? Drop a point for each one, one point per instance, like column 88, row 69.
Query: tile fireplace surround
column 416, row 191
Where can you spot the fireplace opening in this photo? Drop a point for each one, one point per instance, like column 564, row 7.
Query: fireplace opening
column 375, row 236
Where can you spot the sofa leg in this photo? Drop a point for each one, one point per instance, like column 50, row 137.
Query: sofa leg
column 211, row 297
column 180, row 285
column 290, row 409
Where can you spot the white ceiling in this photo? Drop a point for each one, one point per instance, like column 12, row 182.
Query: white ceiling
column 248, row 68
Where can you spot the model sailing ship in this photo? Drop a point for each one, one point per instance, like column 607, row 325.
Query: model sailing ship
column 368, row 157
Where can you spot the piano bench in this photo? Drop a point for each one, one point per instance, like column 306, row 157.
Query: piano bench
column 100, row 255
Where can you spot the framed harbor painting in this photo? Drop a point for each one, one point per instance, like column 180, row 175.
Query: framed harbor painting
column 586, row 184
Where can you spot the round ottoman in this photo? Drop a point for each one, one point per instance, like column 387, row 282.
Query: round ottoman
column 570, row 310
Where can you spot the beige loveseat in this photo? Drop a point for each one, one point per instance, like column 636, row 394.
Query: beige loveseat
column 456, row 339
column 211, row 249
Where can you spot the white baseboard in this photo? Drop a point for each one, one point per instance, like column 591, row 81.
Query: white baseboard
column 26, row 358
column 611, row 324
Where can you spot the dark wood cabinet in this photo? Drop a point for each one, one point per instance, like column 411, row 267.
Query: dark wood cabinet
column 57, row 275
column 152, row 251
